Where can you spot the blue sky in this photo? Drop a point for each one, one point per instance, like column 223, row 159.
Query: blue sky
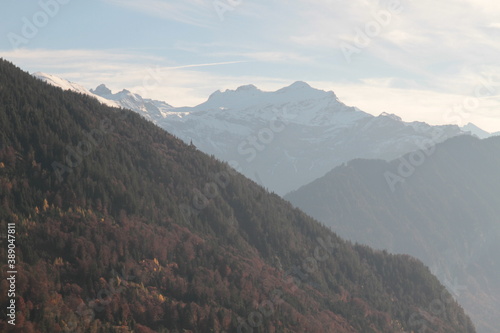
column 422, row 60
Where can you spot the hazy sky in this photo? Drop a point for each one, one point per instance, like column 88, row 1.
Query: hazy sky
column 434, row 61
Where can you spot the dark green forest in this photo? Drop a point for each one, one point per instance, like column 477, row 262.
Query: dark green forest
column 121, row 227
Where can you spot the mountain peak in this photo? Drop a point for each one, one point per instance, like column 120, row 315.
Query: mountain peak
column 249, row 95
column 472, row 126
column 301, row 88
column 248, row 87
column 475, row 130
column 125, row 91
column 299, row 85
column 101, row 90
column 241, row 93
column 40, row 74
column 391, row 115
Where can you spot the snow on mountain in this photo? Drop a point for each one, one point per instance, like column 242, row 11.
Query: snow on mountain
column 67, row 85
column 298, row 104
column 251, row 95
column 282, row 139
column 287, row 138
column 150, row 109
column 391, row 115
column 476, row 131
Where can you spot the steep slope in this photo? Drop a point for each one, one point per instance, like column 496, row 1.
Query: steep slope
column 68, row 85
column 150, row 109
column 441, row 206
column 93, row 191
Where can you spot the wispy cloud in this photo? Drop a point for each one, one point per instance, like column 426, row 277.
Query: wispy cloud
column 76, row 57
column 196, row 12
column 208, row 64
column 181, row 84
column 429, row 52
column 268, row 56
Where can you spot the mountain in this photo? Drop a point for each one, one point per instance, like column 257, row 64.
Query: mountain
column 68, row 85
column 288, row 138
column 152, row 110
column 283, row 139
column 119, row 226
column 479, row 132
column 441, row 205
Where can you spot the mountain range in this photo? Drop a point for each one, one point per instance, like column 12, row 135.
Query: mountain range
column 283, row 139
column 440, row 205
column 120, row 226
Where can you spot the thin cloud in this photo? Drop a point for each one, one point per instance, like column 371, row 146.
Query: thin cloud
column 442, row 48
column 208, row 65
column 194, row 12
column 268, row 56
column 177, row 85
column 73, row 56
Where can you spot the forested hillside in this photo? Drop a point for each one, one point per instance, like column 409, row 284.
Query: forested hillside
column 121, row 227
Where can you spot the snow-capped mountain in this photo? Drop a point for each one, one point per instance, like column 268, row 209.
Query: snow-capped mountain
column 68, row 85
column 286, row 138
column 150, row 109
column 476, row 131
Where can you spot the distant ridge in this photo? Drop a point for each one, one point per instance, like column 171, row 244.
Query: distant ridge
column 442, row 207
